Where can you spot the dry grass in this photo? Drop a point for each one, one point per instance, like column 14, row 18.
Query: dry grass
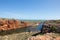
column 17, row 36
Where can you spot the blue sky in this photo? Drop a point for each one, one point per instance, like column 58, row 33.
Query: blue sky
column 30, row 9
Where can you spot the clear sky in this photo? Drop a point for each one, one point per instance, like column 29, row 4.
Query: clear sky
column 30, row 9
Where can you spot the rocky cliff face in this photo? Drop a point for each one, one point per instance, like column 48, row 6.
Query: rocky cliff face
column 51, row 26
column 8, row 24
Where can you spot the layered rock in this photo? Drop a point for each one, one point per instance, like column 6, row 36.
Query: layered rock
column 8, row 24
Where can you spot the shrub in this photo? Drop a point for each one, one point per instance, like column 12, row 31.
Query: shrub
column 53, row 29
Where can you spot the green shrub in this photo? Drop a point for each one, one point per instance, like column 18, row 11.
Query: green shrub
column 53, row 28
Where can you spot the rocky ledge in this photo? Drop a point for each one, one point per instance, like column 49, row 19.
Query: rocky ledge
column 8, row 24
column 47, row 36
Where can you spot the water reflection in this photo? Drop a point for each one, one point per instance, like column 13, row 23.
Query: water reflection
column 36, row 29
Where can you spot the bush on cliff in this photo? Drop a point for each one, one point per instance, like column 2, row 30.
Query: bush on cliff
column 53, row 29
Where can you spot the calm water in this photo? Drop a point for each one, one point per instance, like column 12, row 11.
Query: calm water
column 37, row 29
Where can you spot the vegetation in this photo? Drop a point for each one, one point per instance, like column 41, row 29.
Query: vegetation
column 53, row 29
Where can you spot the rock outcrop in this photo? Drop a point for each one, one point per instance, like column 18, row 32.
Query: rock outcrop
column 47, row 36
column 8, row 24
column 51, row 26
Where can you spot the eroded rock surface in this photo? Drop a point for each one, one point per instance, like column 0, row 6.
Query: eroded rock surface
column 6, row 24
column 47, row 36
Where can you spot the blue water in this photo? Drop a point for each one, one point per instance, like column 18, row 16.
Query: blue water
column 38, row 28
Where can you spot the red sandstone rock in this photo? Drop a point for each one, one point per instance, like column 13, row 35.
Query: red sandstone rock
column 11, row 24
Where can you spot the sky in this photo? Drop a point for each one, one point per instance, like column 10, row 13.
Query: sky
column 30, row 9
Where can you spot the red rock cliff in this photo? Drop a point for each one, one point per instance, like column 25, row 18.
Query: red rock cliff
column 6, row 24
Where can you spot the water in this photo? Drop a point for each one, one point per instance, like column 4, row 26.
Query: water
column 37, row 29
